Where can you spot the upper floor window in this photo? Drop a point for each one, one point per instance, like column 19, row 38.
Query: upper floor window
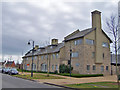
column 53, row 56
column 42, row 57
column 46, row 56
column 57, row 55
column 93, row 54
column 35, row 57
column 77, row 64
column 89, row 41
column 27, row 58
column 75, row 54
column 103, row 55
column 104, row 44
column 77, row 42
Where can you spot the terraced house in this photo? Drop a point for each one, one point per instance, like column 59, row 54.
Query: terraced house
column 90, row 51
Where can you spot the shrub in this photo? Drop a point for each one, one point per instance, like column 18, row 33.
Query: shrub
column 64, row 68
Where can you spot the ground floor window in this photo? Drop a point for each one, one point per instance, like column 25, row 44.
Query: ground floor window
column 107, row 68
column 94, row 67
column 34, row 66
column 102, row 68
column 88, row 67
column 56, row 67
column 43, row 67
column 52, row 67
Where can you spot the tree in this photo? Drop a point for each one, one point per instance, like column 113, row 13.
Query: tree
column 112, row 25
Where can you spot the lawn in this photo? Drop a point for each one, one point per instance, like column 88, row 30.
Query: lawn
column 95, row 85
column 66, row 74
column 38, row 76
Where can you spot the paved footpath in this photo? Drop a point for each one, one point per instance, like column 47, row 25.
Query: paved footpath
column 72, row 80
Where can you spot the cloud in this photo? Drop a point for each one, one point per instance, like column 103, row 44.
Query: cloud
column 40, row 21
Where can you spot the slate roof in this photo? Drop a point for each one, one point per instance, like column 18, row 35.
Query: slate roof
column 79, row 34
column 46, row 50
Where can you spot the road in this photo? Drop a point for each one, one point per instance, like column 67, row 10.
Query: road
column 14, row 82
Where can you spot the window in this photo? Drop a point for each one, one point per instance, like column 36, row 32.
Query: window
column 53, row 56
column 75, row 54
column 103, row 55
column 27, row 58
column 93, row 54
column 94, row 67
column 77, row 42
column 102, row 68
column 88, row 67
column 90, row 42
column 42, row 57
column 57, row 55
column 107, row 68
column 52, row 67
column 35, row 57
column 46, row 56
column 104, row 44
column 77, row 64
column 56, row 67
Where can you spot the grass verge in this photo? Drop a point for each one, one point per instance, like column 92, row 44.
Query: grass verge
column 37, row 76
column 66, row 74
column 94, row 85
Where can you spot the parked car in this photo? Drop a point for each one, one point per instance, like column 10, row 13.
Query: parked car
column 0, row 69
column 3, row 69
column 13, row 71
column 7, row 70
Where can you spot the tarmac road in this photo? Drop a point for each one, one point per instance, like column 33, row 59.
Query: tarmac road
column 14, row 82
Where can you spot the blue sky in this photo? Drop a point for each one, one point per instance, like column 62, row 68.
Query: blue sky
column 42, row 20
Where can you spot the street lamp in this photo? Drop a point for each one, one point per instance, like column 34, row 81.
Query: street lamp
column 32, row 56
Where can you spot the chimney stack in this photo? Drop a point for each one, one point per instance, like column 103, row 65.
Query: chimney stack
column 54, row 41
column 96, row 19
column 36, row 47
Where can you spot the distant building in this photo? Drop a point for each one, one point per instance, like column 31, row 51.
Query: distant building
column 10, row 64
column 90, row 51
column 113, row 63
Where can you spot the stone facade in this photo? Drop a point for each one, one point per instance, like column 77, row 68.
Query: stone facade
column 90, row 52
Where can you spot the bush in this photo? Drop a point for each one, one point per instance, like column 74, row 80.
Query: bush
column 56, row 72
column 64, row 68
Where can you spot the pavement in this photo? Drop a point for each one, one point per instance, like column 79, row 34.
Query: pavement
column 72, row 80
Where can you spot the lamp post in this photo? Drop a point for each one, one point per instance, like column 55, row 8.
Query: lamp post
column 32, row 56
column 111, row 64
column 70, row 58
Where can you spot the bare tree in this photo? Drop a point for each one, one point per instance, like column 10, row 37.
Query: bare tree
column 112, row 25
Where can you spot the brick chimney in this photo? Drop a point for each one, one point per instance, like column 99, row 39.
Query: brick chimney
column 96, row 23
column 54, row 41
column 36, row 47
column 96, row 19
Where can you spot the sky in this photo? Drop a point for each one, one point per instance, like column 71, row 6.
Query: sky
column 43, row 20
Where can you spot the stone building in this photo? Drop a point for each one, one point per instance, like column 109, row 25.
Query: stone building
column 90, row 51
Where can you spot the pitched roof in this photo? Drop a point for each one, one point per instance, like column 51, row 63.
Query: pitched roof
column 45, row 50
column 78, row 34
